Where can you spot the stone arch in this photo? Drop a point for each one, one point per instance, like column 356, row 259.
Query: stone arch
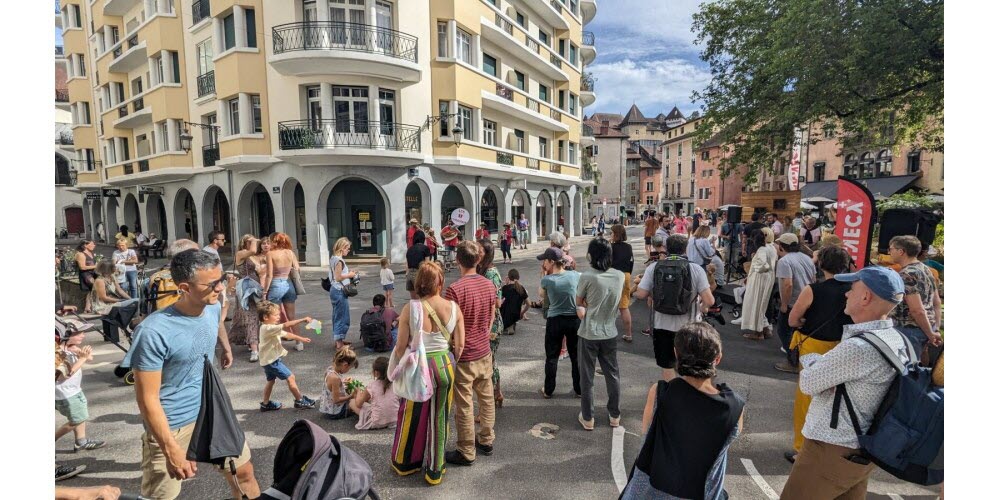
column 492, row 209
column 293, row 211
column 255, row 211
column 156, row 217
column 417, row 199
column 457, row 195
column 346, row 208
column 543, row 214
column 217, row 216
column 563, row 211
column 578, row 213
column 131, row 216
column 111, row 225
column 185, row 216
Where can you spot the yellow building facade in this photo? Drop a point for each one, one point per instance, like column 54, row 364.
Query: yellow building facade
column 327, row 118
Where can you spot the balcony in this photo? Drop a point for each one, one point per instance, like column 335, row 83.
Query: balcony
column 349, row 142
column 64, row 138
column 62, row 95
column 588, row 9
column 209, row 155
column 552, row 13
column 524, row 108
column 118, row 8
column 587, row 96
column 200, row 10
column 587, row 135
column 206, row 84
column 588, row 51
column 512, row 38
column 60, row 52
column 331, row 48
column 504, row 158
column 128, row 169
column 139, row 115
column 128, row 56
column 143, row 165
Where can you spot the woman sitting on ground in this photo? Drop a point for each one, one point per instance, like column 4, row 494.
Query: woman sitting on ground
column 690, row 423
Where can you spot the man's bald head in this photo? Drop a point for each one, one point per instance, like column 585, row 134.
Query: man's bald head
column 181, row 245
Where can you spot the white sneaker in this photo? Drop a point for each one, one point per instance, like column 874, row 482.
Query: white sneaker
column 299, row 346
column 737, row 321
column 253, row 356
column 615, row 421
column 587, row 424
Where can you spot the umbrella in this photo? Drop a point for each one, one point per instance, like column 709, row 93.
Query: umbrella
column 818, row 199
column 726, row 207
column 807, row 206
column 217, row 435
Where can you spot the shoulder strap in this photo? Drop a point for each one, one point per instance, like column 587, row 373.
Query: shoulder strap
column 437, row 321
column 887, row 352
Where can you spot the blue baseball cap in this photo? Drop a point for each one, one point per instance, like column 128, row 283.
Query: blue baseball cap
column 883, row 281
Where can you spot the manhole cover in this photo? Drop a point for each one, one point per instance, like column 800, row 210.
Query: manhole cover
column 544, row 431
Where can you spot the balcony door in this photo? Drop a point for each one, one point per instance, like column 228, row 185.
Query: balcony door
column 383, row 21
column 350, row 108
column 387, row 118
column 349, row 11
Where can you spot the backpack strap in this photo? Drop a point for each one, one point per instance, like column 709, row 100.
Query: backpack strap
column 889, row 356
column 841, row 395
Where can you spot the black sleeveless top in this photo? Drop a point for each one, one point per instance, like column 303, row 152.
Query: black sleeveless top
column 688, row 431
column 827, row 311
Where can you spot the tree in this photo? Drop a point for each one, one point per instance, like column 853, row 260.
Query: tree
column 870, row 71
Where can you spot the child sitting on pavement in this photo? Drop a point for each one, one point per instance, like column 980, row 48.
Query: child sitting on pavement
column 70, row 401
column 334, row 403
column 271, row 352
column 376, row 405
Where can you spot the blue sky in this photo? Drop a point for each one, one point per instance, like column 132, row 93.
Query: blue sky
column 646, row 55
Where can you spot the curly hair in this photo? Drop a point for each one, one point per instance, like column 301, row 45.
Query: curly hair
column 697, row 345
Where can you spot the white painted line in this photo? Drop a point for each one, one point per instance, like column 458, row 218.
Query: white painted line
column 98, row 365
column 113, row 475
column 894, row 496
column 637, row 240
column 757, row 478
column 618, row 458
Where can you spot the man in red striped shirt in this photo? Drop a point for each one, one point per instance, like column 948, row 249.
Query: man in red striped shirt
column 476, row 297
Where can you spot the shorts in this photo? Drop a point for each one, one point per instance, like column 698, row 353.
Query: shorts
column 411, row 275
column 648, row 239
column 281, row 291
column 626, row 300
column 387, row 287
column 277, row 370
column 663, row 348
column 74, row 408
column 156, row 481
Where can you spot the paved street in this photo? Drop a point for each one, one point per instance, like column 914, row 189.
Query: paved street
column 572, row 464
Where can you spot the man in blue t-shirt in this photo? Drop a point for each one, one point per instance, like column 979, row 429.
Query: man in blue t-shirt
column 168, row 357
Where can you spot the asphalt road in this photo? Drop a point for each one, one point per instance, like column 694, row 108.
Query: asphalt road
column 572, row 464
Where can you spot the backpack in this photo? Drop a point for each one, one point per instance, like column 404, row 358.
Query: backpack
column 373, row 330
column 163, row 291
column 906, row 437
column 673, row 290
column 311, row 464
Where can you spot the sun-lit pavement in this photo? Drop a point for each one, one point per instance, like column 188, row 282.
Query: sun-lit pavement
column 572, row 464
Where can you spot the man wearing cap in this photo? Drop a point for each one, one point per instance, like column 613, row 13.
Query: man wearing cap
column 558, row 290
column 795, row 271
column 412, row 230
column 829, row 465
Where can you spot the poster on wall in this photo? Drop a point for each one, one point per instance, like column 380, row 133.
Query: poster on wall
column 366, row 240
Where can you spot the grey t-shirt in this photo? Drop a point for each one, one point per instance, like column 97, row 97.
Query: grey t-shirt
column 800, row 268
column 603, row 292
column 671, row 322
column 560, row 290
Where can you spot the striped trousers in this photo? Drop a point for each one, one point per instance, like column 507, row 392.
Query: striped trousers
column 422, row 428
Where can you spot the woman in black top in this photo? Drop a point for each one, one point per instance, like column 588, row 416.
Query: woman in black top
column 622, row 260
column 690, row 423
column 818, row 318
column 416, row 254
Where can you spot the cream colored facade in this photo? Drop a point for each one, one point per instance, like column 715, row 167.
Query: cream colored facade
column 677, row 153
column 328, row 118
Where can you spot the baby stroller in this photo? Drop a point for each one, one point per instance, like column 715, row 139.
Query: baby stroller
column 113, row 325
column 310, row 464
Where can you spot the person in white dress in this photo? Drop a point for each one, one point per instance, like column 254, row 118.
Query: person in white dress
column 760, row 284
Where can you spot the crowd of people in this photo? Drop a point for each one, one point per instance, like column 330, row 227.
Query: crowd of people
column 689, row 421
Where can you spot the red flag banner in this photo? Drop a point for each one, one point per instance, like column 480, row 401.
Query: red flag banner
column 855, row 219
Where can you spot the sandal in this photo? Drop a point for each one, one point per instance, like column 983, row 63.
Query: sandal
column 647, row 332
column 627, row 338
column 753, row 336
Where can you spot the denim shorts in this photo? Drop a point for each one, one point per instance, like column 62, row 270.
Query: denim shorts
column 277, row 370
column 390, row 286
column 281, row 291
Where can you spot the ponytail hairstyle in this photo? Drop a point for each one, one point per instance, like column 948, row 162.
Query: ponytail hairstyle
column 381, row 367
column 697, row 345
column 346, row 355
column 515, row 277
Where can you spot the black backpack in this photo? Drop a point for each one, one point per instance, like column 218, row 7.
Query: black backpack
column 673, row 290
column 373, row 330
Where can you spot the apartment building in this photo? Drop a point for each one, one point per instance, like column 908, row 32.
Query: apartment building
column 607, row 155
column 68, row 209
column 644, row 177
column 712, row 190
column 680, row 168
column 328, row 118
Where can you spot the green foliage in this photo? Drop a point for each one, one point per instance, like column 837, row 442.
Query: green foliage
column 872, row 72
column 909, row 199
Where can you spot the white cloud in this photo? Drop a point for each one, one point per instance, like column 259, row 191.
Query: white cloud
column 632, row 28
column 655, row 85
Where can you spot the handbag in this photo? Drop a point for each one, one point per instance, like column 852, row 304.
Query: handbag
column 409, row 373
column 793, row 353
column 351, row 289
column 293, row 275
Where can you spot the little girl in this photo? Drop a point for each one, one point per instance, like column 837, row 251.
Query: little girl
column 334, row 403
column 376, row 405
column 388, row 280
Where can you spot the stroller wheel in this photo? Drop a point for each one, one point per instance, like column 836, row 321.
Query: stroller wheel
column 737, row 313
column 129, row 378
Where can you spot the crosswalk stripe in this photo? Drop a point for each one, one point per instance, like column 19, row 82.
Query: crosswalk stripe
column 757, row 478
column 618, row 458
column 894, row 496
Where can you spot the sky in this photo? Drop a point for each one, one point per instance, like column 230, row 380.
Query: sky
column 646, row 55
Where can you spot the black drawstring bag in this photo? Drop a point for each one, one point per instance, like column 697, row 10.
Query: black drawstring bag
column 217, row 435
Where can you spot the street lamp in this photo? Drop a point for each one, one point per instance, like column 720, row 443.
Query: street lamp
column 186, row 139
column 456, row 135
column 456, row 132
column 73, row 176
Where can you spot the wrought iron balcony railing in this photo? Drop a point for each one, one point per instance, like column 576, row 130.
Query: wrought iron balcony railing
column 206, row 84
column 505, row 158
column 332, row 134
column 210, row 155
column 588, row 38
column 62, row 95
column 201, row 9
column 316, row 35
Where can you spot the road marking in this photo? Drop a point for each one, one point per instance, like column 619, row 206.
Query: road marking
column 544, row 431
column 113, row 475
column 618, row 458
column 637, row 240
column 894, row 496
column 757, row 478
column 98, row 365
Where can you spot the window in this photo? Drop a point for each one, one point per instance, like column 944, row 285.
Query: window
column 883, row 164
column 234, row 116
column 649, row 186
column 851, row 167
column 666, row 153
column 314, row 107
column 490, row 65
column 204, row 54
column 867, row 166
column 543, row 93
column 251, row 27
column 175, row 60
column 819, row 171
column 83, row 65
column 465, row 121
column 562, row 47
column 258, row 125
column 85, row 112
column 678, row 169
column 913, row 162
column 572, row 104
column 350, row 109
column 442, row 39
column 489, row 132
column 521, row 21
column 543, row 147
column 572, row 54
column 828, row 133
column 228, row 32
column 162, row 127
column 443, row 124
column 519, row 80
column 649, row 200
column 562, row 148
column 692, row 165
column 463, row 46
column 562, row 99
column 543, row 37
column 519, row 140
column 704, row 155
column 593, row 150
column 692, row 188
column 572, row 153
column 680, row 152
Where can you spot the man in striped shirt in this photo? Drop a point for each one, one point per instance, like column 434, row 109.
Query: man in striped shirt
column 476, row 297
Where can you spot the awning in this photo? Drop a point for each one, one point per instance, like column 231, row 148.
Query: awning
column 879, row 186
